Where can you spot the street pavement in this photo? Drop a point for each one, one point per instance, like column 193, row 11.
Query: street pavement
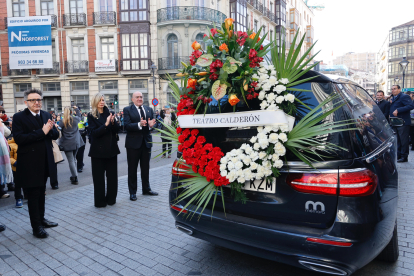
column 139, row 238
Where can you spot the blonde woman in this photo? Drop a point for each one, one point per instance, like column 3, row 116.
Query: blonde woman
column 71, row 139
column 103, row 136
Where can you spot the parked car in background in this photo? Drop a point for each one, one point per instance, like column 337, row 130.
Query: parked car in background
column 334, row 218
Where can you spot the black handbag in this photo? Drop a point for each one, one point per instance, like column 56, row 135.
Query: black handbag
column 60, row 148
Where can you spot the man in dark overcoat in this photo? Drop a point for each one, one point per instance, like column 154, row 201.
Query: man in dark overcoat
column 138, row 120
column 33, row 131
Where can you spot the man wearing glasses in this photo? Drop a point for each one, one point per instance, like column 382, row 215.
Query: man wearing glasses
column 401, row 104
column 33, row 131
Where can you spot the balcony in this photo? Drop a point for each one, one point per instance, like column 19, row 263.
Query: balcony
column 172, row 63
column 104, row 18
column 49, row 71
column 269, row 15
column 190, row 13
column 53, row 20
column 77, row 67
column 74, row 19
column 18, row 72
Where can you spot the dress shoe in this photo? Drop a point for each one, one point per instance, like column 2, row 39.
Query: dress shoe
column 133, row 197
column 2, row 227
column 402, row 160
column 55, row 187
column 80, row 170
column 5, row 195
column 74, row 180
column 40, row 233
column 48, row 224
column 150, row 193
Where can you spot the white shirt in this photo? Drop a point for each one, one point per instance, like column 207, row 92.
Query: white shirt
column 145, row 114
column 34, row 114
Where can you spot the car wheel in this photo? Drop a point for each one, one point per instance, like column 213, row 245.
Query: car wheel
column 391, row 252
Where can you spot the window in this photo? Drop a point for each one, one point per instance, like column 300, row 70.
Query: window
column 238, row 11
column 263, row 29
column 76, row 6
column 78, row 49
column 271, row 7
column 108, row 48
column 134, row 10
column 271, row 35
column 81, row 101
column 110, row 90
column 105, row 5
column 79, row 86
column 171, row 3
column 18, row 8
column 79, row 94
column 51, row 86
column 47, row 7
column 135, row 51
column 21, row 87
column 108, row 85
column 199, row 39
column 255, row 26
column 141, row 86
column 53, row 51
column 172, row 42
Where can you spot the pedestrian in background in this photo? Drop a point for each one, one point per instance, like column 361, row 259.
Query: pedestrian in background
column 33, row 131
column 79, row 156
column 71, row 140
column 18, row 191
column 401, row 104
column 383, row 105
column 168, row 119
column 411, row 94
column 6, row 173
column 103, row 137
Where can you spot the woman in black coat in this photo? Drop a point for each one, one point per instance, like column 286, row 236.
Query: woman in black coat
column 169, row 119
column 103, row 136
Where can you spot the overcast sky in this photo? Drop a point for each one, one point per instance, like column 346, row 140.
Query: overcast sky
column 357, row 25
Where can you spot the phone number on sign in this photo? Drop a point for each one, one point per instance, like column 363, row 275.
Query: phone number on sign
column 40, row 61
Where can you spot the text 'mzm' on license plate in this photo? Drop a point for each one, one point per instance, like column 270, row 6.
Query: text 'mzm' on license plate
column 261, row 185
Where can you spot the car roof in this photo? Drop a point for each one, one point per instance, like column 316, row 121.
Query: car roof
column 325, row 78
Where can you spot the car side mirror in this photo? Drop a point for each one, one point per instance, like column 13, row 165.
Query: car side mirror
column 396, row 122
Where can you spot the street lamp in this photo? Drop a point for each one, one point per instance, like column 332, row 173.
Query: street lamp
column 403, row 64
column 153, row 68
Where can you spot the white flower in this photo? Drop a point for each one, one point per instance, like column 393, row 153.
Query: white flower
column 290, row 97
column 280, row 149
column 275, row 157
column 273, row 73
column 272, row 107
column 254, row 156
column 266, row 164
column 275, row 128
column 249, row 149
column 230, row 165
column 248, row 175
column 283, row 137
column 262, row 155
column 256, row 146
column 270, row 67
column 259, row 129
column 238, row 165
column 272, row 80
column 222, row 167
column 284, row 81
column 234, row 160
column 273, row 137
column 231, row 176
column 224, row 160
column 263, row 105
column 255, row 76
column 241, row 180
column 279, row 88
column 246, row 160
column 264, row 143
column 261, row 170
column 243, row 147
column 223, row 173
column 267, row 129
column 253, row 166
column 271, row 97
column 233, row 152
column 263, row 77
column 284, row 128
column 262, row 95
column 239, row 173
column 261, row 135
column 266, row 87
column 280, row 99
column 278, row 164
column 253, row 139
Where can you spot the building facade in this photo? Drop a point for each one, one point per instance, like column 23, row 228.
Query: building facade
column 359, row 61
column 382, row 68
column 401, row 44
column 118, row 47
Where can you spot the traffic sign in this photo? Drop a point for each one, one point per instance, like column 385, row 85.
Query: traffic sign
column 155, row 102
column 408, row 90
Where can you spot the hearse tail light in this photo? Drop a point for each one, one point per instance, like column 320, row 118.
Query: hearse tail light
column 179, row 169
column 329, row 242
column 351, row 184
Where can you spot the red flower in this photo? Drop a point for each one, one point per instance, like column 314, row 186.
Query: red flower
column 179, row 130
column 241, row 38
column 214, row 76
column 194, row 56
column 204, row 35
column 213, row 32
column 261, row 47
column 194, row 132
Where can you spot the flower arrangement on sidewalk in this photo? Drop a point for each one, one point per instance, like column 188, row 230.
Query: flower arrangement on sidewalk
column 230, row 73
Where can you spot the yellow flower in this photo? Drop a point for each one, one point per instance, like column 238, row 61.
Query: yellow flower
column 181, row 74
column 224, row 47
column 196, row 46
column 201, row 74
column 253, row 35
column 228, row 22
column 233, row 100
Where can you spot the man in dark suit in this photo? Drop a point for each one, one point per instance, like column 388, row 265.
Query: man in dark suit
column 383, row 104
column 33, row 131
column 138, row 121
column 401, row 104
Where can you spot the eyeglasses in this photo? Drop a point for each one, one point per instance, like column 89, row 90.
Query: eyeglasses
column 35, row 100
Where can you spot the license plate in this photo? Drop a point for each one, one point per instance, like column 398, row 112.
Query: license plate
column 261, row 186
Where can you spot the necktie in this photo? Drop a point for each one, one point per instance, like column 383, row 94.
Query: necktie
column 142, row 113
column 39, row 120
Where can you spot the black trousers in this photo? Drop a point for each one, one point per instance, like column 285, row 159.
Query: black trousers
column 17, row 188
column 141, row 156
column 100, row 166
column 80, row 154
column 166, row 146
column 412, row 136
column 403, row 134
column 36, row 204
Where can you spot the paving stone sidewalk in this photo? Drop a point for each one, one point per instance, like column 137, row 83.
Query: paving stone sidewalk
column 139, row 238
